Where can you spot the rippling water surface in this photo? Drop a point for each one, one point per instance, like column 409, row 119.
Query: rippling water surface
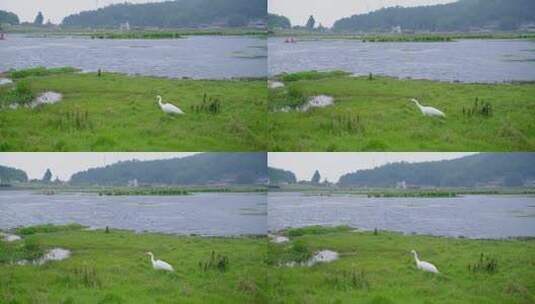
column 212, row 57
column 473, row 216
column 463, row 60
column 205, row 214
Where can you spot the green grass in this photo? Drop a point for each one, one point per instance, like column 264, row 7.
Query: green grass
column 113, row 268
column 375, row 114
column 116, row 112
column 20, row 94
column 378, row 268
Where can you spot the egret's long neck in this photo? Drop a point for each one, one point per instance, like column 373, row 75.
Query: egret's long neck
column 416, row 258
column 160, row 101
column 152, row 258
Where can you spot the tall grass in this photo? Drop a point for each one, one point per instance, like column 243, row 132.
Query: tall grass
column 39, row 71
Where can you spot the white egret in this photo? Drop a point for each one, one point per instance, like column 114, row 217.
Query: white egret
column 159, row 264
column 168, row 108
column 428, row 111
column 423, row 265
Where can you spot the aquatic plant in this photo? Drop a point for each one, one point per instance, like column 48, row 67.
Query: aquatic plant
column 149, row 191
column 479, row 108
column 485, row 264
column 348, row 279
column 209, row 105
column 73, row 120
column 343, row 123
column 215, row 262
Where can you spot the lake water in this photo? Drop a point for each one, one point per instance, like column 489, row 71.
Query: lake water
column 463, row 60
column 473, row 216
column 207, row 57
column 220, row 214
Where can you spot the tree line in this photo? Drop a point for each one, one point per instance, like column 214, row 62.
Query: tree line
column 171, row 14
column 458, row 16
column 507, row 169
column 199, row 169
column 11, row 175
column 8, row 18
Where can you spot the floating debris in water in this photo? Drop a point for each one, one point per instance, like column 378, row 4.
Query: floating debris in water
column 320, row 101
column 46, row 98
column 4, row 81
column 275, row 84
column 9, row 237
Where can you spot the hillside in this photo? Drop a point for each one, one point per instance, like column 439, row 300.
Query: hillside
column 173, row 14
column 199, row 169
column 9, row 175
column 279, row 176
column 505, row 169
column 458, row 16
column 8, row 17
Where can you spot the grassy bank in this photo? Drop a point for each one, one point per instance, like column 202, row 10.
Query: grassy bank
column 375, row 114
column 376, row 267
column 116, row 112
column 113, row 268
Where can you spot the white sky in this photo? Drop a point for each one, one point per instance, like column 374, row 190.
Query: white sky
column 64, row 165
column 56, row 10
column 333, row 165
column 328, row 11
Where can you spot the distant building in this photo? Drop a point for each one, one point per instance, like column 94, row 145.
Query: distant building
column 396, row 29
column 401, row 185
column 133, row 183
column 260, row 24
column 124, row 26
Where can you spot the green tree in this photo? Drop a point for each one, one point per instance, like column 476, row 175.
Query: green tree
column 39, row 19
column 277, row 21
column 311, row 23
column 48, row 176
column 316, row 177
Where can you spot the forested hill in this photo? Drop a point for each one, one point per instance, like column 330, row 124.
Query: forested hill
column 10, row 175
column 172, row 14
column 8, row 17
column 279, row 176
column 458, row 16
column 199, row 169
column 507, row 169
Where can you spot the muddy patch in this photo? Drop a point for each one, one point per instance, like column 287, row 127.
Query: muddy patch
column 320, row 101
column 46, row 98
column 323, row 256
column 4, row 81
column 275, row 84
column 9, row 237
column 279, row 239
column 56, row 254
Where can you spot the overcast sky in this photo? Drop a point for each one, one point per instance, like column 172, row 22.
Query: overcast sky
column 328, row 11
column 333, row 165
column 56, row 10
column 64, row 165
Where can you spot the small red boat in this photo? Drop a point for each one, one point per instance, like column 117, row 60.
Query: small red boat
column 290, row 40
